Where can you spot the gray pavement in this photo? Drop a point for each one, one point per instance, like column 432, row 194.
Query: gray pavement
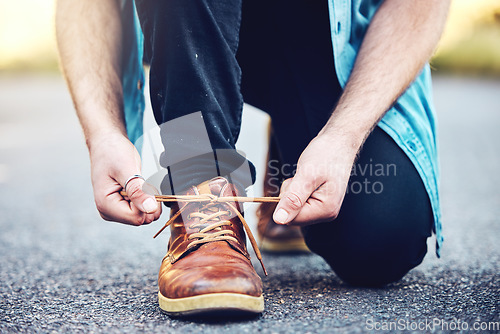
column 63, row 269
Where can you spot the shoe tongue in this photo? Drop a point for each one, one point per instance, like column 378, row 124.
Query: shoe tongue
column 214, row 186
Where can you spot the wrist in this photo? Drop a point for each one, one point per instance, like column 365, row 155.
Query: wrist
column 100, row 122
column 96, row 139
column 351, row 139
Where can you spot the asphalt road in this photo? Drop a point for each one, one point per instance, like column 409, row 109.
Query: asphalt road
column 63, row 269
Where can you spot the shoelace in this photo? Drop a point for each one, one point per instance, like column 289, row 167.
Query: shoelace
column 214, row 202
column 218, row 234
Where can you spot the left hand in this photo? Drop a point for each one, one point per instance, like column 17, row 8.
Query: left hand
column 316, row 191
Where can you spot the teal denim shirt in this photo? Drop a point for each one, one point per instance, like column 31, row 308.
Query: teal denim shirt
column 132, row 72
column 411, row 122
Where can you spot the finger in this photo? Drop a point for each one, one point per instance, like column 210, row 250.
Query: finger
column 114, row 208
column 149, row 189
column 285, row 185
column 323, row 205
column 297, row 191
column 143, row 201
column 157, row 214
column 149, row 218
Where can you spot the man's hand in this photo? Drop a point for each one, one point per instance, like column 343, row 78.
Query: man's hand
column 89, row 35
column 316, row 191
column 113, row 160
column 399, row 41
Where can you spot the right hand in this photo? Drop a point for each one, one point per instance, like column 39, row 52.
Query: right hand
column 113, row 160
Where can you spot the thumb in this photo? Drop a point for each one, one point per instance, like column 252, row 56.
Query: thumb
column 293, row 197
column 142, row 200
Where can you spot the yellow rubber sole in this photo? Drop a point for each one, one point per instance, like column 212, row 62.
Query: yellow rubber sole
column 297, row 245
column 212, row 303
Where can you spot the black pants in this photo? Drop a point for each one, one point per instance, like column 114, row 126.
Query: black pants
column 281, row 61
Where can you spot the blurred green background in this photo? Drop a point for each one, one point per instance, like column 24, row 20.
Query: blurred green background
column 470, row 44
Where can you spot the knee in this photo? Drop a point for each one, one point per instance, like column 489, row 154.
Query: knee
column 371, row 269
column 368, row 260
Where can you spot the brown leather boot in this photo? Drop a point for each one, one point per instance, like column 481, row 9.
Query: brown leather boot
column 275, row 238
column 207, row 267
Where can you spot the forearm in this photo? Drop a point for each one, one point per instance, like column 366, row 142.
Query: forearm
column 89, row 40
column 398, row 42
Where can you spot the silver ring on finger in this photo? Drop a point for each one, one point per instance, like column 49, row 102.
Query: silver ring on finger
column 135, row 176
